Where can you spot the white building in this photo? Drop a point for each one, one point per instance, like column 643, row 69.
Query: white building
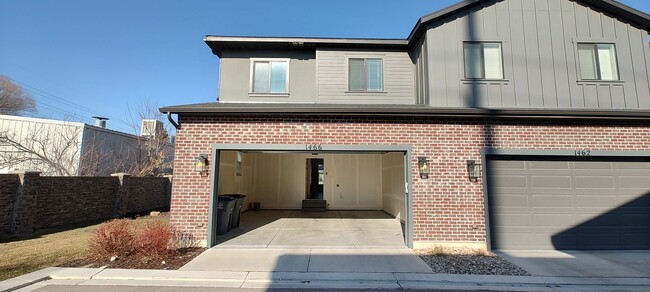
column 61, row 148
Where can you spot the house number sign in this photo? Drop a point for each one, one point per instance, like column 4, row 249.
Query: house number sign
column 314, row 147
column 582, row 152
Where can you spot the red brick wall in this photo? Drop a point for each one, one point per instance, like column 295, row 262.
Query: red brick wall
column 446, row 207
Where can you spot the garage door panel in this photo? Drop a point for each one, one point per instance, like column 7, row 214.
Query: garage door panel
column 641, row 167
column 507, row 201
column 630, row 202
column 513, row 220
column 512, row 165
column 592, row 165
column 550, row 182
column 635, row 220
column 605, row 201
column 634, row 182
column 554, row 220
column 547, row 165
column 579, row 203
column 593, row 182
column 558, row 200
column 510, row 181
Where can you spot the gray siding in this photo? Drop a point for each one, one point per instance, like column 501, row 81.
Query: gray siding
column 420, row 59
column 333, row 84
column 234, row 76
column 539, row 50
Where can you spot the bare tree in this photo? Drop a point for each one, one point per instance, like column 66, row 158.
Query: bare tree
column 13, row 100
column 51, row 152
column 155, row 150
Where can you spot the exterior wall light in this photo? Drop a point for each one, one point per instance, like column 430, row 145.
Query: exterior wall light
column 201, row 163
column 473, row 170
column 423, row 167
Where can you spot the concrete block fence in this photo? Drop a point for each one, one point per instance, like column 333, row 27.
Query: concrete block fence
column 30, row 202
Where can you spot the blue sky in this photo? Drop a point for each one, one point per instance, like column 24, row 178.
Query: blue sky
column 84, row 58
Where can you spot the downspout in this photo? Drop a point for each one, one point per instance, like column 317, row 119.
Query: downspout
column 171, row 120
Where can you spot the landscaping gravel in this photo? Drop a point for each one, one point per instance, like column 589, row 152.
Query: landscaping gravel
column 460, row 260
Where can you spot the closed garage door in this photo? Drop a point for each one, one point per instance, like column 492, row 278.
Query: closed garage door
column 583, row 203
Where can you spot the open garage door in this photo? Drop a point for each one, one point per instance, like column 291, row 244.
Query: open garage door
column 344, row 178
column 572, row 203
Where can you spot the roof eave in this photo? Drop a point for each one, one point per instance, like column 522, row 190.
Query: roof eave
column 396, row 110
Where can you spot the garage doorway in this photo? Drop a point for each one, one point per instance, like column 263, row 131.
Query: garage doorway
column 354, row 181
column 315, row 178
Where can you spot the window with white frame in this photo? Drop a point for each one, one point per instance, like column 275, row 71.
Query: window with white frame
column 365, row 74
column 270, row 76
column 483, row 60
column 597, row 61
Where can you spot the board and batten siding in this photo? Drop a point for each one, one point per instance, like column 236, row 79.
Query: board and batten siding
column 420, row 59
column 539, row 40
column 333, row 78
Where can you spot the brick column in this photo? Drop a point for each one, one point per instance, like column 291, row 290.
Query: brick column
column 121, row 195
column 22, row 214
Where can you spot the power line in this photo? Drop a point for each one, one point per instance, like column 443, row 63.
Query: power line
column 54, row 108
column 41, row 75
column 54, row 97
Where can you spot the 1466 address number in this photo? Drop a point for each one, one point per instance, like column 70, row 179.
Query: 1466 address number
column 314, row 147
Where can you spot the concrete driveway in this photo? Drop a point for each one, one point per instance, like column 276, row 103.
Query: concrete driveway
column 331, row 229
column 628, row 264
column 295, row 241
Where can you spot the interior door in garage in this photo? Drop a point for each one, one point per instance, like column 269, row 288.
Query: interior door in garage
column 573, row 203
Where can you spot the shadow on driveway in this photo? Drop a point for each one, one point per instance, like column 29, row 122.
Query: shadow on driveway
column 632, row 264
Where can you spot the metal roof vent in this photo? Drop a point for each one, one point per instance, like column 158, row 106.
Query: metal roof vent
column 100, row 121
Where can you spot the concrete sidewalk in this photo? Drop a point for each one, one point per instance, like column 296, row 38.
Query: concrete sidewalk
column 86, row 277
column 367, row 260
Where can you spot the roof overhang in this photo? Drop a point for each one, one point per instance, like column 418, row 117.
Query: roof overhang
column 220, row 43
column 282, row 109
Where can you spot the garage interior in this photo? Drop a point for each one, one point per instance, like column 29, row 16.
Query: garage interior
column 545, row 202
column 363, row 195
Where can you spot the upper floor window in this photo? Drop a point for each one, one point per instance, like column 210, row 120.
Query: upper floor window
column 365, row 74
column 483, row 60
column 597, row 61
column 270, row 76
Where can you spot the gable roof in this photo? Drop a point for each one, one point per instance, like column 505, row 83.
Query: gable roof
column 220, row 43
column 612, row 7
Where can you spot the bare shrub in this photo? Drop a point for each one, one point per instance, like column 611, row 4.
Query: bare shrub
column 112, row 238
column 155, row 239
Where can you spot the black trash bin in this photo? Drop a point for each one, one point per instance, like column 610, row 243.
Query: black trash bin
column 237, row 211
column 225, row 207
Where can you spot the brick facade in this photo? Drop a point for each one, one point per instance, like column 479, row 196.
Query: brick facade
column 447, row 207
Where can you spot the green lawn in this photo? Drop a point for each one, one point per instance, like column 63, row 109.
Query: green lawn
column 37, row 251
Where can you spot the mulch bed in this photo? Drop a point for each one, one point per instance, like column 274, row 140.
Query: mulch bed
column 171, row 262
column 458, row 260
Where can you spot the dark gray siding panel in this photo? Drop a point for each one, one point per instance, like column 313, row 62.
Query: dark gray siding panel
column 539, row 40
column 559, row 203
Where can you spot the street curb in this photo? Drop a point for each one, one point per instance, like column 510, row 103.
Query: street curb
column 26, row 280
column 322, row 280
